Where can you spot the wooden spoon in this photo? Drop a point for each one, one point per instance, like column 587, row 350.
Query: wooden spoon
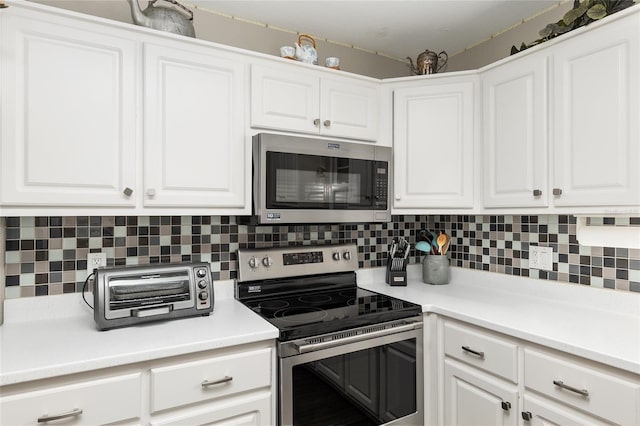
column 442, row 240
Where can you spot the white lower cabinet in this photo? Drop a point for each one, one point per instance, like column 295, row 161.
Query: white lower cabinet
column 540, row 412
column 90, row 402
column 487, row 378
column 230, row 386
column 475, row 398
column 252, row 410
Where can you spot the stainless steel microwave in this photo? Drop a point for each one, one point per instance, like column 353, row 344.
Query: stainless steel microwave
column 307, row 180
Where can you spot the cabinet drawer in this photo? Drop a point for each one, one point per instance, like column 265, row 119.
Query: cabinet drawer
column 208, row 379
column 582, row 386
column 482, row 350
column 100, row 401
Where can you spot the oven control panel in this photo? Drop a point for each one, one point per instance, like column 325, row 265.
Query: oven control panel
column 278, row 262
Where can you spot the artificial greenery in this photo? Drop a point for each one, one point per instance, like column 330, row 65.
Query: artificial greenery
column 580, row 15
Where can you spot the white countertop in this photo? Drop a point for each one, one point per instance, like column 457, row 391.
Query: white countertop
column 598, row 324
column 56, row 335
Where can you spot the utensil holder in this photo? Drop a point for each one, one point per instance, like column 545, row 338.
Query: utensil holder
column 396, row 278
column 435, row 269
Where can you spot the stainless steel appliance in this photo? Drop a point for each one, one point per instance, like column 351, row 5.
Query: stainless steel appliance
column 345, row 355
column 137, row 294
column 305, row 180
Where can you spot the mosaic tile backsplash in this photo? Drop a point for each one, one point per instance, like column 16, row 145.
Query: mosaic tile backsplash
column 47, row 255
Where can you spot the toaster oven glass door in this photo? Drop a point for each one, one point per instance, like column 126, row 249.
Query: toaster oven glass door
column 149, row 290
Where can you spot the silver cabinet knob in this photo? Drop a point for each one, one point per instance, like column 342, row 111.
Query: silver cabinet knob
column 557, row 191
column 151, row 192
column 316, row 122
column 327, row 123
column 537, row 193
column 127, row 191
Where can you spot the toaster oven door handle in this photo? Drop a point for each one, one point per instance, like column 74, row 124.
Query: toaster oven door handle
column 207, row 383
column 149, row 312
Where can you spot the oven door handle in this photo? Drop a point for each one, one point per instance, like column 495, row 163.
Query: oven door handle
column 310, row 347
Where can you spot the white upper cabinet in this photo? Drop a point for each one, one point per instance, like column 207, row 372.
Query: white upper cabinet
column 596, row 129
column 68, row 113
column 515, row 133
column 561, row 127
column 294, row 99
column 194, row 145
column 433, row 141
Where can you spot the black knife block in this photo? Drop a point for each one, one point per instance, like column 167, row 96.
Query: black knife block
column 396, row 278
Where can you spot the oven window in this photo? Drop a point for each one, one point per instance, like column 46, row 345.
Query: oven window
column 318, row 182
column 369, row 387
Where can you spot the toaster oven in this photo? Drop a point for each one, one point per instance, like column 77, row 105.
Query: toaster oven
column 131, row 295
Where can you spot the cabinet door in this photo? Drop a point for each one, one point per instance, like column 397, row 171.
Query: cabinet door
column 285, row 99
column 248, row 410
column 434, row 131
column 68, row 113
column 596, row 128
column 194, row 150
column 99, row 401
column 474, row 398
column 515, row 133
column 362, row 377
column 349, row 108
column 540, row 412
column 397, row 371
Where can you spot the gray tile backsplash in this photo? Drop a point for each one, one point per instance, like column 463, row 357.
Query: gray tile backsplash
column 47, row 255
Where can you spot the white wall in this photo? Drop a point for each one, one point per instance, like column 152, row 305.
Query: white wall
column 499, row 47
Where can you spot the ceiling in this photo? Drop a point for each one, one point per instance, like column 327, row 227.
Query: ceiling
column 395, row 28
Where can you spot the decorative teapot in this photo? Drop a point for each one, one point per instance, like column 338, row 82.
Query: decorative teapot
column 306, row 52
column 427, row 62
column 164, row 18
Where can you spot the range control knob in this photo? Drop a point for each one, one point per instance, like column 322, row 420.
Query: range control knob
column 267, row 261
column 203, row 295
column 336, row 256
column 254, row 262
column 346, row 255
column 201, row 273
column 202, row 284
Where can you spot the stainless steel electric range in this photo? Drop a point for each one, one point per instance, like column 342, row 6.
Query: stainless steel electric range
column 346, row 355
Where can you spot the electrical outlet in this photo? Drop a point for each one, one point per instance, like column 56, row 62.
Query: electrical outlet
column 541, row 258
column 95, row 260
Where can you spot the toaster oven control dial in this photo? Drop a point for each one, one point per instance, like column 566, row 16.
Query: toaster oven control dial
column 202, row 284
column 346, row 255
column 201, row 273
column 203, row 295
column 267, row 261
column 336, row 256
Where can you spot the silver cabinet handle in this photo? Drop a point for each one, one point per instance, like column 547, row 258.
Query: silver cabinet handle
column 561, row 384
column 151, row 192
column 127, row 191
column 557, row 191
column 526, row 415
column 506, row 405
column 316, row 122
column 327, row 123
column 537, row 193
column 46, row 418
column 207, row 383
column 473, row 352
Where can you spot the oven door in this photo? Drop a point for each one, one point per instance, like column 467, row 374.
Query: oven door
column 373, row 381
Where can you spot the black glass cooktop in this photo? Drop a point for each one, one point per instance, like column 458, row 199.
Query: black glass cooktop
column 334, row 307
